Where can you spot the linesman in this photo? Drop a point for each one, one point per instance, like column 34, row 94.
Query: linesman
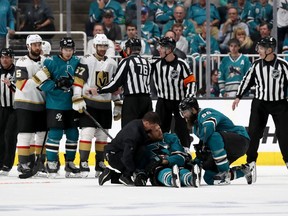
column 269, row 74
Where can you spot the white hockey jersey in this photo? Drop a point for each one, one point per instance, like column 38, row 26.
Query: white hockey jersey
column 27, row 95
column 96, row 74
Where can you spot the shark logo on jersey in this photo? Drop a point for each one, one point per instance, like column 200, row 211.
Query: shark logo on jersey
column 234, row 71
column 174, row 74
column 102, row 78
column 275, row 74
column 59, row 117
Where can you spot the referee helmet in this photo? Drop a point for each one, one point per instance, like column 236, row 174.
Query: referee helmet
column 167, row 42
column 267, row 42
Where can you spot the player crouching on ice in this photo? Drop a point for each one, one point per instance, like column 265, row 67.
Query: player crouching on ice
column 223, row 143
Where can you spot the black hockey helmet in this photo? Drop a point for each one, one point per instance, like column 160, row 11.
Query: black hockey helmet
column 167, row 42
column 188, row 103
column 67, row 42
column 267, row 42
column 133, row 42
column 7, row 52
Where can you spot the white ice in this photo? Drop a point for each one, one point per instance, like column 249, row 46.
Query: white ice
column 84, row 197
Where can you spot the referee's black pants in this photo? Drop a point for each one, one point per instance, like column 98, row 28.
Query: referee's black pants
column 167, row 108
column 8, row 136
column 260, row 111
column 135, row 107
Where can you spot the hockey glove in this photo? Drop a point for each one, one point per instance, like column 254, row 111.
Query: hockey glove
column 64, row 83
column 78, row 103
column 41, row 76
column 117, row 110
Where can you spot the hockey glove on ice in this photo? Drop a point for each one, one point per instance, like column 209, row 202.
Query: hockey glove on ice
column 78, row 103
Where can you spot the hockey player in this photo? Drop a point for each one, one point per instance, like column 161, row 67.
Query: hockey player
column 95, row 71
column 232, row 69
column 29, row 103
column 168, row 164
column 222, row 143
column 56, row 80
column 46, row 48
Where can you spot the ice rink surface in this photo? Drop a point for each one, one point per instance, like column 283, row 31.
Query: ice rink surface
column 84, row 197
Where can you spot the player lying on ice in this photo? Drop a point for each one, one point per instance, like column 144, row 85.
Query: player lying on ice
column 221, row 143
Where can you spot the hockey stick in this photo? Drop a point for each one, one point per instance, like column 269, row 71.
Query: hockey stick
column 97, row 123
column 37, row 162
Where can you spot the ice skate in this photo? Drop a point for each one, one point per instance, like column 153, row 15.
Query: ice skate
column 84, row 169
column 100, row 166
column 196, row 175
column 175, row 176
column 105, row 176
column 23, row 168
column 5, row 171
column 126, row 180
column 42, row 171
column 52, row 168
column 222, row 178
column 249, row 170
column 71, row 170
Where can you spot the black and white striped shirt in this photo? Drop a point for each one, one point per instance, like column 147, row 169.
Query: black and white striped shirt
column 173, row 80
column 6, row 93
column 270, row 80
column 133, row 74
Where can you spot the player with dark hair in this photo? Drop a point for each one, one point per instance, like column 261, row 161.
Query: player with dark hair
column 221, row 143
column 173, row 82
column 56, row 80
column 269, row 74
column 133, row 74
column 126, row 151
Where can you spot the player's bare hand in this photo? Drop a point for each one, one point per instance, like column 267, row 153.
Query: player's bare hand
column 235, row 103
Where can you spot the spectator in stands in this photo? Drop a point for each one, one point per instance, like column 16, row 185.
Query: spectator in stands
column 165, row 12
column 262, row 12
column 214, row 86
column 198, row 48
column 265, row 31
column 179, row 17
column 131, row 11
column 285, row 48
column 115, row 7
column 181, row 42
column 111, row 30
column 38, row 17
column 227, row 28
column 149, row 30
column 282, row 23
column 246, row 44
column 197, row 15
column 131, row 32
column 99, row 29
column 95, row 16
column 7, row 22
column 232, row 69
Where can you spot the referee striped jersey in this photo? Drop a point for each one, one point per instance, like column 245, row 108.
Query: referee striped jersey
column 173, row 80
column 270, row 80
column 6, row 93
column 133, row 74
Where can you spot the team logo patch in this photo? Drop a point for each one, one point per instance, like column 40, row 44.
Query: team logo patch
column 174, row 74
column 102, row 78
column 275, row 74
column 58, row 117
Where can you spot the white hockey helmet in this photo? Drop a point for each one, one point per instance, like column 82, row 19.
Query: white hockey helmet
column 100, row 39
column 33, row 38
column 46, row 48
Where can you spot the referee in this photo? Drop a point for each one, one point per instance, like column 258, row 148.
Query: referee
column 269, row 74
column 8, row 133
column 173, row 82
column 133, row 74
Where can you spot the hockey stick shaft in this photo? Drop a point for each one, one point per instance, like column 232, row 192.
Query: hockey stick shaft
column 37, row 162
column 97, row 123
